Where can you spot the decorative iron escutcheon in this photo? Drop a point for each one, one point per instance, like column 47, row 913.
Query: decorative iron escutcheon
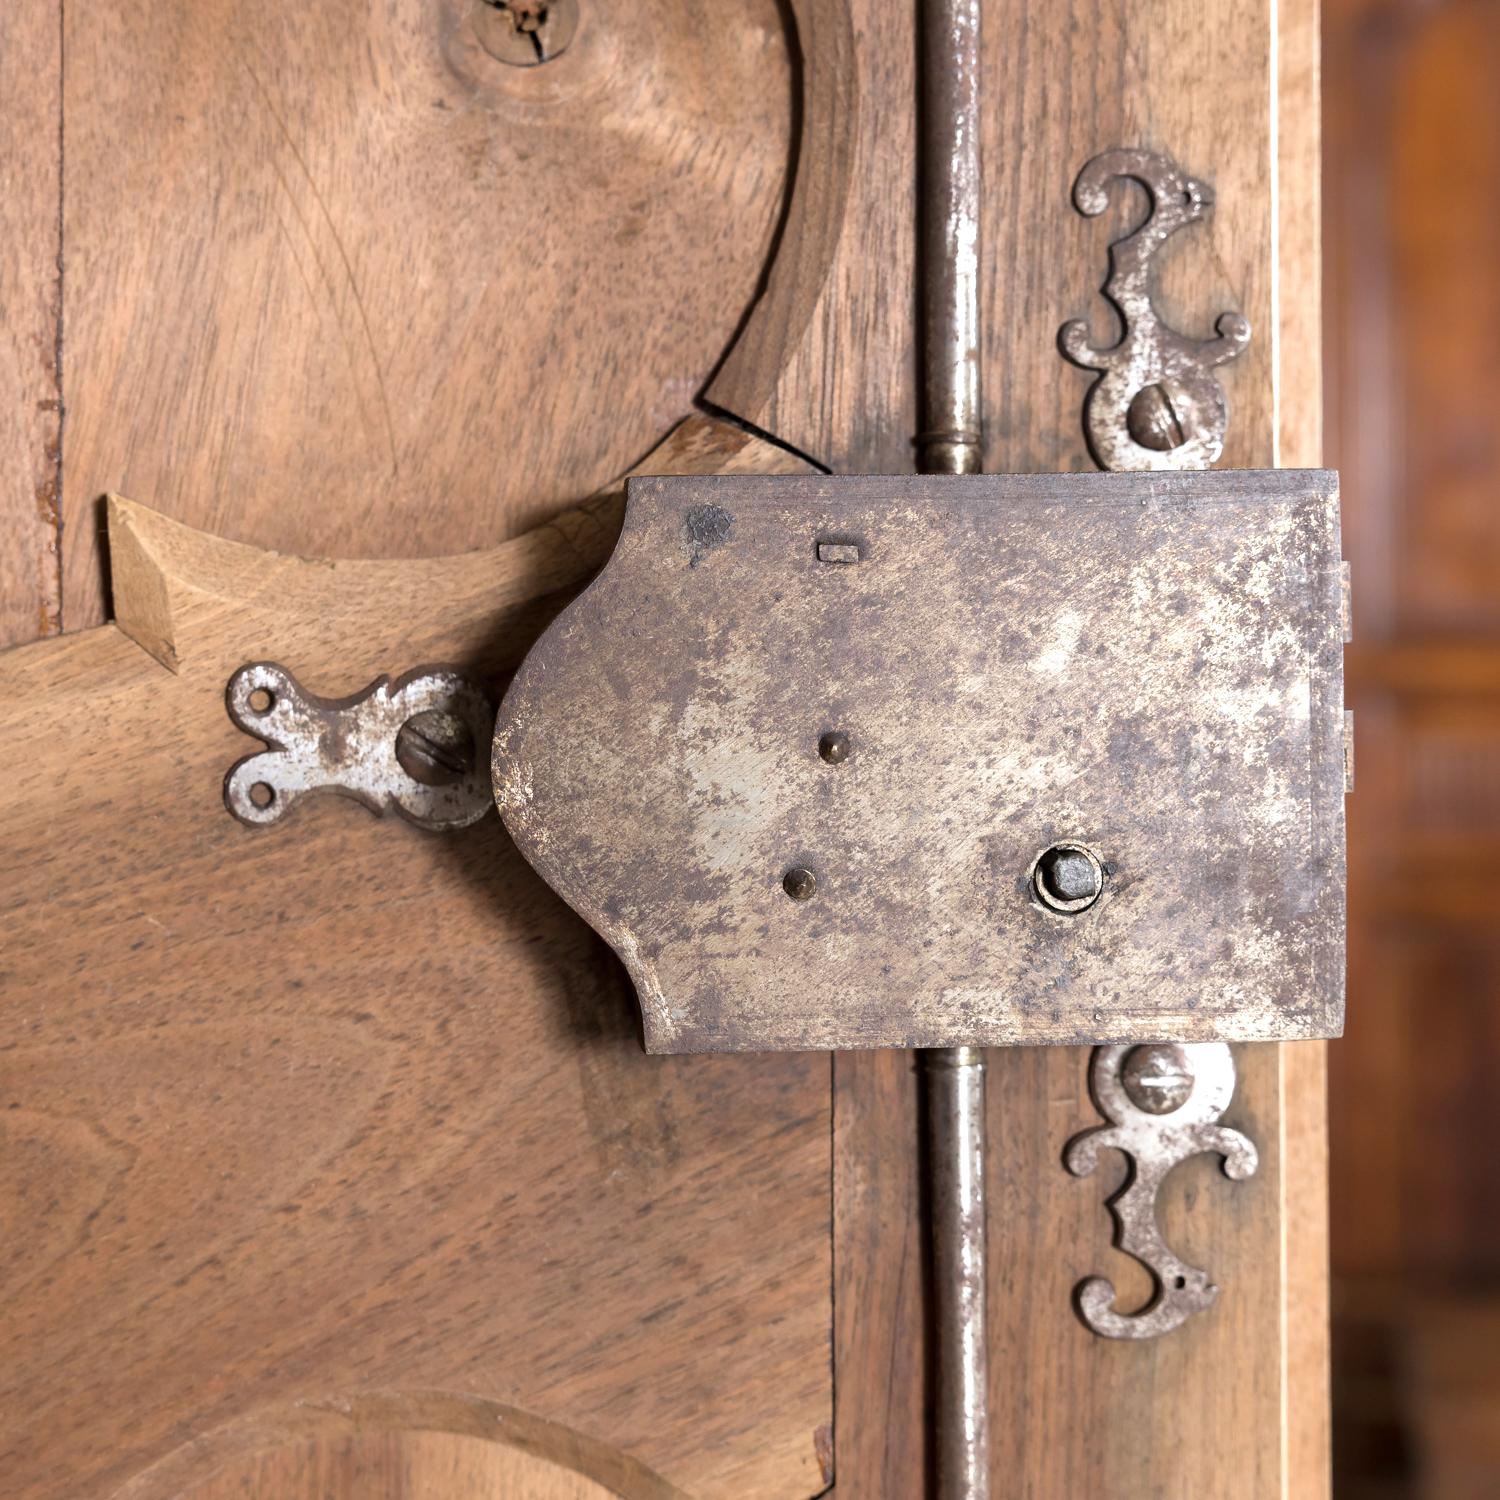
column 915, row 762
column 1164, row 1104
column 415, row 746
column 1157, row 403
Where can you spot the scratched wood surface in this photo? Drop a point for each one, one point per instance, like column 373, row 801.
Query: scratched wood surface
column 339, row 281
column 305, row 1116
column 30, row 291
column 1236, row 1404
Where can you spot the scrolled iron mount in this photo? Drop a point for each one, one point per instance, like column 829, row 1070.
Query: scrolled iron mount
column 418, row 746
column 1163, row 1103
column 1157, row 403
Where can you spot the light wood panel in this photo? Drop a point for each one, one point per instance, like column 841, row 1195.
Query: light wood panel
column 30, row 293
column 1235, row 1404
column 338, row 281
column 334, row 1107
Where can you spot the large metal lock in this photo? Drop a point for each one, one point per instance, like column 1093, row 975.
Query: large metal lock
column 923, row 761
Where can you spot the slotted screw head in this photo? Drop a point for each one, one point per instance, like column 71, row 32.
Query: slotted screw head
column 1157, row 1079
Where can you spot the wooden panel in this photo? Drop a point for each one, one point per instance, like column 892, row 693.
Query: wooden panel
column 341, row 282
column 1297, row 436
column 880, row 1293
column 1445, row 244
column 1413, row 236
column 30, row 343
column 340, row 1107
column 825, row 362
column 1196, row 81
column 1235, row 1405
column 1198, row 1411
column 1413, row 123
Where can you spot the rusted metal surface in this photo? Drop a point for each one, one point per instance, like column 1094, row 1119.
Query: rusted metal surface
column 1163, row 1103
column 955, row 1116
column 1147, row 666
column 417, row 746
column 950, row 442
column 1157, row 403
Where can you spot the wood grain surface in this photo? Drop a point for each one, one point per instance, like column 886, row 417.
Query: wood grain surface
column 30, row 293
column 338, row 281
column 1235, row 1405
column 398, row 1466
column 826, row 361
column 297, row 1115
column 402, row 1446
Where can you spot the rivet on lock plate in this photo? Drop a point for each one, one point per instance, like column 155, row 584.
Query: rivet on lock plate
column 896, row 762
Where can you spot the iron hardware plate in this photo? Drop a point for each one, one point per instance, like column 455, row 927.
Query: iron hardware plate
column 1143, row 667
column 1163, row 1105
column 415, row 746
column 1157, row 403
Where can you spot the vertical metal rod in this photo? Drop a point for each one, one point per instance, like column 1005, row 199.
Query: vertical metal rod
column 950, row 443
column 955, row 1155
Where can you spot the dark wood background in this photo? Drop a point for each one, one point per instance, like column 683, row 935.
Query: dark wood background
column 1412, row 204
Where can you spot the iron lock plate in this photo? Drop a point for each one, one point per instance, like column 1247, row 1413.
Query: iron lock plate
column 797, row 750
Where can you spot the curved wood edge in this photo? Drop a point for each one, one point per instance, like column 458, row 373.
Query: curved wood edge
column 399, row 1411
column 169, row 578
column 817, row 198
column 826, row 361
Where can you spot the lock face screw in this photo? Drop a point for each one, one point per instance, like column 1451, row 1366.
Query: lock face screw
column 799, row 883
column 834, row 747
column 1157, row 1079
column 1067, row 878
